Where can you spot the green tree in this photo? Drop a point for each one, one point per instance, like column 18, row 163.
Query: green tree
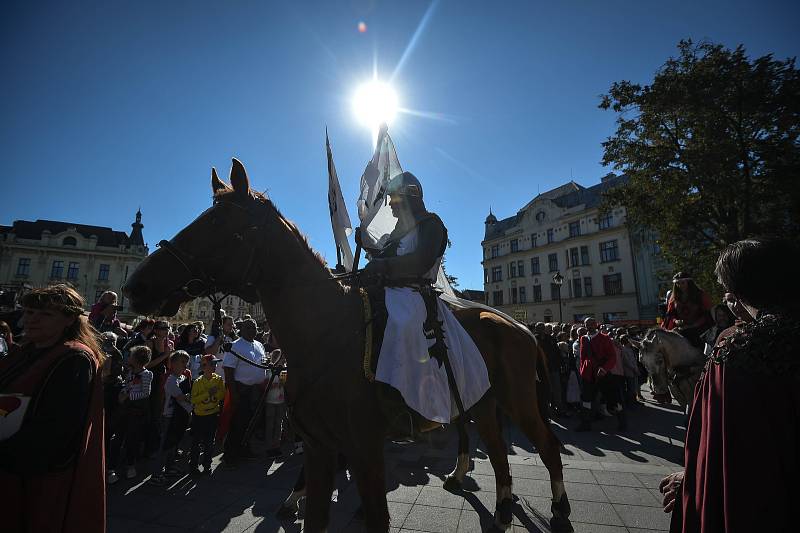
column 711, row 151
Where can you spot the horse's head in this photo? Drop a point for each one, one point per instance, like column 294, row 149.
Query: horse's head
column 651, row 349
column 210, row 255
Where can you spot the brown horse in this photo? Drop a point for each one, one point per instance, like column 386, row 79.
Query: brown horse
column 259, row 255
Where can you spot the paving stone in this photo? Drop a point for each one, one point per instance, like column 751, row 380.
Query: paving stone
column 436, row 497
column 622, row 479
column 631, row 496
column 589, row 512
column 529, row 472
column 472, row 522
column 404, row 494
column 578, row 476
column 651, row 481
column 398, row 512
column 643, row 517
column 581, row 527
column 433, row 519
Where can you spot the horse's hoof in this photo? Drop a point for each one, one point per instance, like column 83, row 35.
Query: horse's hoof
column 561, row 508
column 452, row 484
column 285, row 513
column 561, row 524
column 504, row 514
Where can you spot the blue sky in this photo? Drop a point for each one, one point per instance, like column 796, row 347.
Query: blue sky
column 107, row 106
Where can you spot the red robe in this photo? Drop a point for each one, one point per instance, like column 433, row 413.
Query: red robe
column 68, row 500
column 742, row 451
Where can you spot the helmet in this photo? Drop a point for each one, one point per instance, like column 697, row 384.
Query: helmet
column 405, row 184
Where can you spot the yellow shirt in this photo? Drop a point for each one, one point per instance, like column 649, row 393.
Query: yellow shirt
column 205, row 401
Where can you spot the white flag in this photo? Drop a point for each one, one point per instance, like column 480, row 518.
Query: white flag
column 340, row 219
column 377, row 220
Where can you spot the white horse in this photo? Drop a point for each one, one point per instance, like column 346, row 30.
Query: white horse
column 673, row 363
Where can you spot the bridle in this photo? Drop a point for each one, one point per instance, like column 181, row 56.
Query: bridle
column 201, row 283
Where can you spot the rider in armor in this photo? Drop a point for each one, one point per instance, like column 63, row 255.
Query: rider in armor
column 422, row 338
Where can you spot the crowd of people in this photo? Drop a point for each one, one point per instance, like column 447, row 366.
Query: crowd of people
column 162, row 381
column 173, row 394
column 62, row 382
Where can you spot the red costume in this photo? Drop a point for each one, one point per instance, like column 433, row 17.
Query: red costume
column 599, row 352
column 742, row 452
column 66, row 490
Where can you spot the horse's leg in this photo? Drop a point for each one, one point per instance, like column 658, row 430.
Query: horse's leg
column 485, row 415
column 291, row 505
column 549, row 449
column 368, row 468
column 320, row 467
column 454, row 480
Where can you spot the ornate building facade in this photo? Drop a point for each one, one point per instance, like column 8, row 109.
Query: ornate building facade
column 560, row 259
column 92, row 259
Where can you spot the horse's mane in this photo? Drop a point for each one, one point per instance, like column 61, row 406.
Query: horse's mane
column 299, row 235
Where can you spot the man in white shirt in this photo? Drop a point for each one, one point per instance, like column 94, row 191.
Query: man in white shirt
column 214, row 344
column 243, row 380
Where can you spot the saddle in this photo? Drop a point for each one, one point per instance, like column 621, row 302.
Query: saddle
column 405, row 424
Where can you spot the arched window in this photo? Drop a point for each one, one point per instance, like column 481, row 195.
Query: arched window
column 69, row 241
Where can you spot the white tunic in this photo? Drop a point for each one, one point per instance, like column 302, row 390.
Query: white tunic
column 404, row 362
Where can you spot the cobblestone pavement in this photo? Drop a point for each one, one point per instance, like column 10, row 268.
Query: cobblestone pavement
column 611, row 479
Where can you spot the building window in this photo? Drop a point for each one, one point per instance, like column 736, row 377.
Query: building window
column 485, row 276
column 495, row 250
column 535, row 265
column 24, row 267
column 521, row 269
column 587, row 286
column 584, row 255
column 615, row 316
column 58, row 269
column 548, row 315
column 497, row 274
column 523, row 298
column 550, row 236
column 497, row 298
column 69, row 241
column 514, row 245
column 72, row 270
column 576, row 288
column 612, row 284
column 552, row 259
column 573, row 257
column 533, row 240
column 513, row 293
column 512, row 269
column 605, row 221
column 537, row 293
column 555, row 290
column 98, row 293
column 574, row 229
column 102, row 275
column 609, row 251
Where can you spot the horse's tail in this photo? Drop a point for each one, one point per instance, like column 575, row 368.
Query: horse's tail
column 543, row 386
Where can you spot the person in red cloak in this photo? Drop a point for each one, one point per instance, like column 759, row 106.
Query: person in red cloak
column 52, row 466
column 688, row 309
column 742, row 453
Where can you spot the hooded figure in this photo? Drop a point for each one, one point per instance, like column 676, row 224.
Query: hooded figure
column 420, row 327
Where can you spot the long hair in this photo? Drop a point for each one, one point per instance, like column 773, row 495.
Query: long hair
column 67, row 301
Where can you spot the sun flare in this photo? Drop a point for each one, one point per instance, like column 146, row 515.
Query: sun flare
column 375, row 103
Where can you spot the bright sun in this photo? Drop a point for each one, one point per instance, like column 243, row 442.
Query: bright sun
column 374, row 103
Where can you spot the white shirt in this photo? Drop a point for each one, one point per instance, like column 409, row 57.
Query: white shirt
column 219, row 370
column 245, row 373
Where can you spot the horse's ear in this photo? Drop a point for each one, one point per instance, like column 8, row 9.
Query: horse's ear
column 239, row 178
column 217, row 184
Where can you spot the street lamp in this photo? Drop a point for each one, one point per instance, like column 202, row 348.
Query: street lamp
column 558, row 279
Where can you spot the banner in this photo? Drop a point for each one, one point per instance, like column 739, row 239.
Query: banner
column 340, row 219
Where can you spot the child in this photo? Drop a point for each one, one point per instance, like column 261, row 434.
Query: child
column 134, row 402
column 207, row 392
column 174, row 417
column 275, row 407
